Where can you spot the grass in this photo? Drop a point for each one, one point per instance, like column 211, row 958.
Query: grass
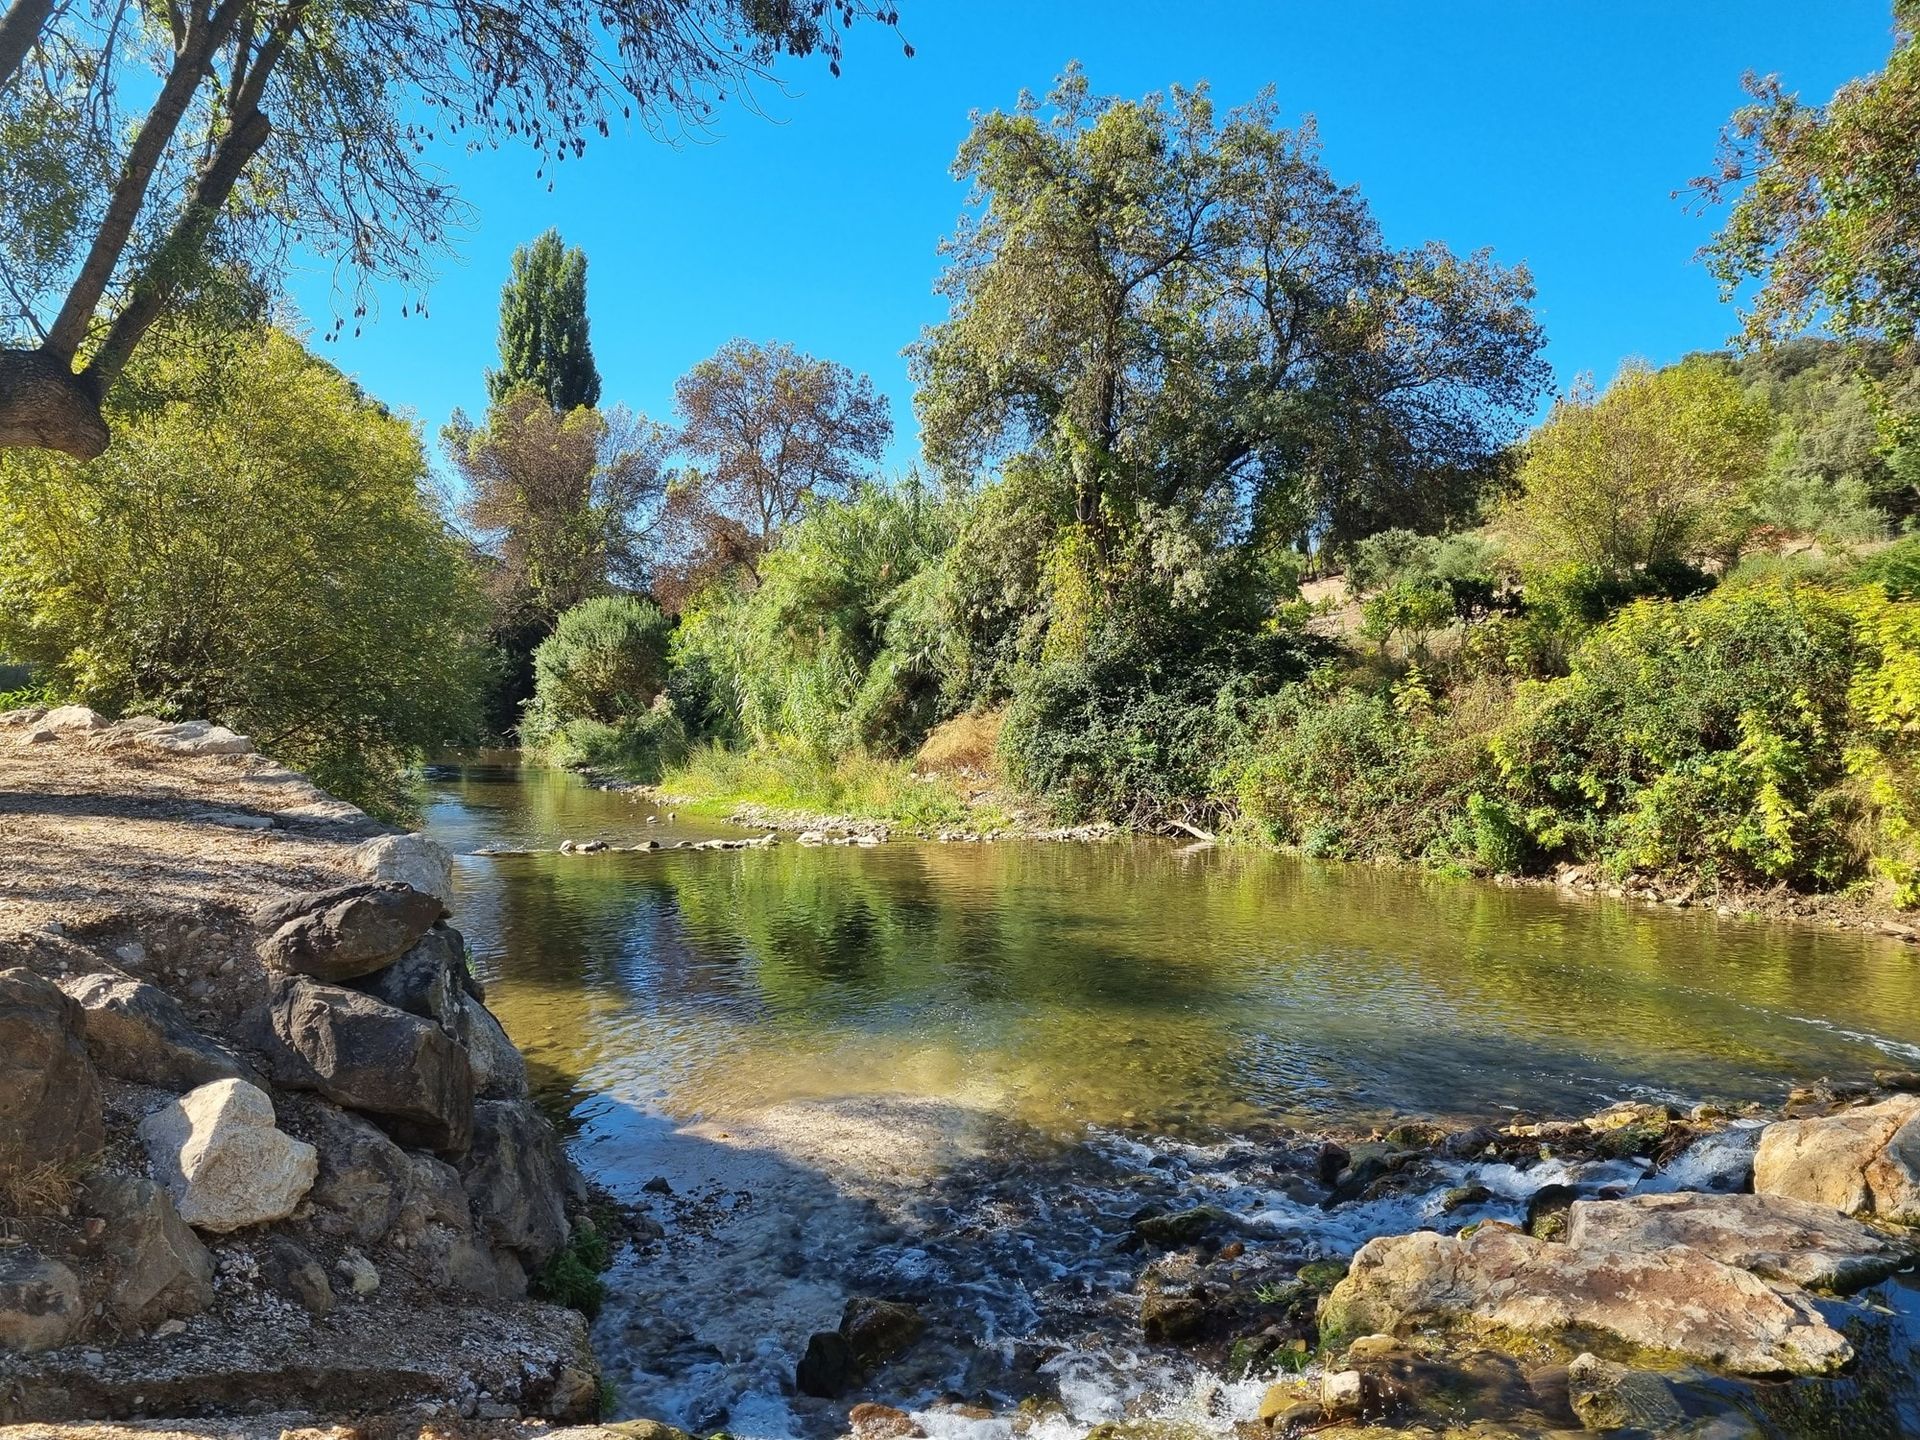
column 864, row 787
column 42, row 1190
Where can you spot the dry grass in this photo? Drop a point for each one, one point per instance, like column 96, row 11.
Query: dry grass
column 966, row 743
column 42, row 1190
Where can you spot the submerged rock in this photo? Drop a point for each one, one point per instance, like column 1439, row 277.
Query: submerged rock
column 50, row 1111
column 1676, row 1301
column 345, row 933
column 1795, row 1241
column 1607, row 1396
column 217, row 1151
column 1864, row 1161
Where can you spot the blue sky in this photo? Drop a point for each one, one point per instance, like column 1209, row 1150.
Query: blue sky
column 1553, row 133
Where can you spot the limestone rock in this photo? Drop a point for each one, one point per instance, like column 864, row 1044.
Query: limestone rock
column 1607, row 1396
column 217, row 1151
column 1774, row 1236
column 40, row 1304
column 49, row 1093
column 136, row 1031
column 403, row 1070
column 364, row 1178
column 73, row 719
column 515, row 1179
column 195, row 737
column 499, row 1070
column 430, row 981
column 1677, row 1300
column 1864, row 1161
column 160, row 1268
column 416, row 860
column 345, row 933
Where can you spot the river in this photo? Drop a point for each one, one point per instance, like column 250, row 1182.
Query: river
column 947, row 1073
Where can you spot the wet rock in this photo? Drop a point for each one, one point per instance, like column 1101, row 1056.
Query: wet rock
column 40, row 1304
column 1722, row 1161
column 1467, row 1144
column 1795, row 1241
column 869, row 1421
column 415, row 860
column 221, row 1158
column 515, row 1179
column 359, row 1052
column 1677, row 1301
column 138, row 1032
column 1607, row 1396
column 49, row 1091
column 345, row 933
column 621, row 1430
column 878, row 1330
column 826, row 1369
column 1461, row 1196
column 290, row 1269
column 430, row 981
column 1168, row 1231
column 1368, row 1163
column 1862, row 1161
column 1908, row 1080
column 159, row 1267
column 499, row 1069
column 364, row 1178
column 1547, row 1211
column 1169, row 1319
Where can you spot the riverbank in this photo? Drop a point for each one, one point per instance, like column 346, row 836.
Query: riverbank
column 262, row 1145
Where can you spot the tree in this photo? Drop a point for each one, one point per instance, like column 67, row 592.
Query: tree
column 1654, row 473
column 139, row 143
column 1826, row 209
column 543, row 327
column 1182, row 309
column 770, row 430
column 559, row 501
column 257, row 550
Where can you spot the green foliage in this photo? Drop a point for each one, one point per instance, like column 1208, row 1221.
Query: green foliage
column 1743, row 736
column 543, row 328
column 1897, row 568
column 599, row 683
column 571, row 1277
column 1413, row 608
column 257, row 549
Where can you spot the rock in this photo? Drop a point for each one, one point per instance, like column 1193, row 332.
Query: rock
column 1170, row 1319
column 878, row 1330
column 290, row 1269
column 364, row 1179
column 1863, row 1161
column 1343, row 1394
column 1795, row 1241
column 515, row 1179
column 1279, row 1398
column 1182, row 1227
column 359, row 1272
column 160, row 1269
column 345, row 933
column 882, row 1422
column 1721, row 1161
column 401, row 1069
column 195, row 737
column 221, row 1158
column 1677, row 1301
column 621, row 1430
column 416, row 860
column 826, row 1369
column 40, row 1304
column 430, row 981
column 499, row 1070
column 138, row 1032
column 49, row 1093
column 25, row 715
column 72, row 719
column 1607, row 1396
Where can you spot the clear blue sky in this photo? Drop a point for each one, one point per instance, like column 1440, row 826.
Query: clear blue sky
column 1554, row 133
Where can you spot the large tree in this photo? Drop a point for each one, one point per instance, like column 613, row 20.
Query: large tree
column 1182, row 308
column 768, row 430
column 543, row 327
column 139, row 143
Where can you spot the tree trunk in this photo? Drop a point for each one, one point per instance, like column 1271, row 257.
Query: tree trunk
column 20, row 29
column 45, row 406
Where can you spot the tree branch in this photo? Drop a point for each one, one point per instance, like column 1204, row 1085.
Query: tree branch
column 20, row 30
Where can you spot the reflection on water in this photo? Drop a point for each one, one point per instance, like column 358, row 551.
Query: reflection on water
column 1126, row 983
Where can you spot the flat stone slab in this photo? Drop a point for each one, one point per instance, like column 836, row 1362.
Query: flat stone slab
column 1796, row 1241
column 1862, row 1161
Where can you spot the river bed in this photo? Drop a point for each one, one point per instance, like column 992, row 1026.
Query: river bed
column 951, row 1074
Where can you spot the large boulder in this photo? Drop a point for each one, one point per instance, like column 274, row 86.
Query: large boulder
column 159, row 1267
column 194, row 737
column 136, row 1031
column 227, row 1166
column 1677, row 1301
column 40, row 1303
column 430, row 981
column 416, row 860
column 366, row 1055
column 49, row 1092
column 1795, row 1241
column 364, row 1177
column 499, row 1070
column 516, row 1179
column 73, row 719
column 1864, row 1161
column 345, row 933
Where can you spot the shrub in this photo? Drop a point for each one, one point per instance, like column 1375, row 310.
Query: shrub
column 606, row 660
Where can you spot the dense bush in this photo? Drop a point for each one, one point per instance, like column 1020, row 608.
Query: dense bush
column 256, row 548
column 599, row 680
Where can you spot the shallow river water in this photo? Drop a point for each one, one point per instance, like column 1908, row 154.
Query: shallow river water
column 948, row 1073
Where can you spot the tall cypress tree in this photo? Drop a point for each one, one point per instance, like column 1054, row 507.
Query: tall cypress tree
column 543, row 327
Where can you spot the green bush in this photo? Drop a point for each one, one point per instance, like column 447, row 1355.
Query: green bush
column 571, row 1277
column 606, row 660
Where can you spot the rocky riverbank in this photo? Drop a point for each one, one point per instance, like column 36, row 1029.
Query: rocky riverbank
column 262, row 1146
